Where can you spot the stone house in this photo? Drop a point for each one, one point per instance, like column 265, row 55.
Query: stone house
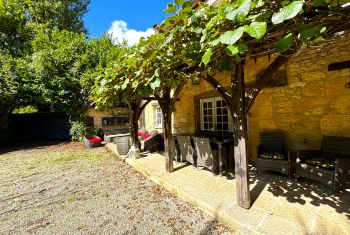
column 306, row 102
column 111, row 119
column 152, row 117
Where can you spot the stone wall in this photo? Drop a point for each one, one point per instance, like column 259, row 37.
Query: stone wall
column 149, row 117
column 98, row 115
column 315, row 102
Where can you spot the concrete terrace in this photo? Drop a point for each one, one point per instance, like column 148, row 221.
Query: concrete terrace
column 279, row 206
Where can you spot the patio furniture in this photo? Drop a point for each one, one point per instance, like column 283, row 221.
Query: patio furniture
column 214, row 135
column 271, row 154
column 225, row 150
column 187, row 152
column 123, row 143
column 206, row 156
column 330, row 165
column 109, row 135
column 155, row 143
column 177, row 154
column 91, row 141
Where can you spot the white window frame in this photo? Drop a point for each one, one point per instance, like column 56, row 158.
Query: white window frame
column 214, row 115
column 158, row 117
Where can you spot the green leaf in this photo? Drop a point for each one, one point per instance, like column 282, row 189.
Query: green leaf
column 171, row 8
column 242, row 48
column 135, row 84
column 155, row 84
column 207, row 55
column 256, row 29
column 157, row 72
column 287, row 12
column 231, row 37
column 231, row 50
column 179, row 2
column 306, row 34
column 319, row 39
column 284, row 43
column 187, row 5
column 317, row 3
column 125, row 84
column 241, row 12
column 323, row 30
column 214, row 42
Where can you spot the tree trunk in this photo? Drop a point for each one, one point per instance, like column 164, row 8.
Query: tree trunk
column 240, row 135
column 168, row 141
column 134, row 151
column 166, row 104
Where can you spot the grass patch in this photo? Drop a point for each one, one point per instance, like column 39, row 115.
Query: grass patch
column 93, row 157
column 66, row 158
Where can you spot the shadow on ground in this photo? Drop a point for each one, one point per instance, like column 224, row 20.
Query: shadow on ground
column 300, row 192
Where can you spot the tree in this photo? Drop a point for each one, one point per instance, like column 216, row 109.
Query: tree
column 26, row 77
column 57, row 69
column 117, row 83
column 60, row 14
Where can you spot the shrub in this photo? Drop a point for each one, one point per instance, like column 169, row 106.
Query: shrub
column 79, row 129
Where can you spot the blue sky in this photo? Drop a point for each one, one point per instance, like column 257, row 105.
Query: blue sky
column 126, row 19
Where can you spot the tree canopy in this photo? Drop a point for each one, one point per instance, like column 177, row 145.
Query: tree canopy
column 46, row 58
column 202, row 39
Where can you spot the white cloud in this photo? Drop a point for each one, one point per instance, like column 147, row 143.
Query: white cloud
column 119, row 31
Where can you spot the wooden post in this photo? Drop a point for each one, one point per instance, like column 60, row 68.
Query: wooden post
column 168, row 142
column 136, row 108
column 240, row 135
column 165, row 103
column 134, row 127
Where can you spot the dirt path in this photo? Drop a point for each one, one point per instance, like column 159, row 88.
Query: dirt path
column 65, row 189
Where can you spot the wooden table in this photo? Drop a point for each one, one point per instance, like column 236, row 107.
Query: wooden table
column 220, row 144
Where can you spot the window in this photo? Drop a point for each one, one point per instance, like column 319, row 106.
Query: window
column 215, row 115
column 158, row 117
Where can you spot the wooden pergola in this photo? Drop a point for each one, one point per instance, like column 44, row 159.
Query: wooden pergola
column 239, row 98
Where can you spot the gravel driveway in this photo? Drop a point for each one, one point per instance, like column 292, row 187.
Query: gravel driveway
column 65, row 189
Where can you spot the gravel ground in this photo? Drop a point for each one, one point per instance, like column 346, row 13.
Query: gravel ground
column 65, row 189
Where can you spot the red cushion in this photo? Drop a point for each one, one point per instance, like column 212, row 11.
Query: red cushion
column 145, row 136
column 95, row 140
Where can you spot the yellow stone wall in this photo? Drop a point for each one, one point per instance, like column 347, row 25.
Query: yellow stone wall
column 315, row 102
column 149, row 113
column 98, row 115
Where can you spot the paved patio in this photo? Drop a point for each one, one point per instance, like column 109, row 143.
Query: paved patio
column 279, row 206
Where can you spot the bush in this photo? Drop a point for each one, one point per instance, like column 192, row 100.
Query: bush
column 24, row 110
column 79, row 129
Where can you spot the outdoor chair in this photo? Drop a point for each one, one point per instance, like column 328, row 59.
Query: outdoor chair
column 330, row 165
column 177, row 154
column 271, row 154
column 206, row 156
column 187, row 152
column 92, row 141
column 154, row 143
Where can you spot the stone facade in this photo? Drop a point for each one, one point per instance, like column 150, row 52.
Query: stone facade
column 98, row 115
column 149, row 117
column 315, row 101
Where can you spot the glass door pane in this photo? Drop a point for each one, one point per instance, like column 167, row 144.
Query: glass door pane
column 208, row 115
column 222, row 119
